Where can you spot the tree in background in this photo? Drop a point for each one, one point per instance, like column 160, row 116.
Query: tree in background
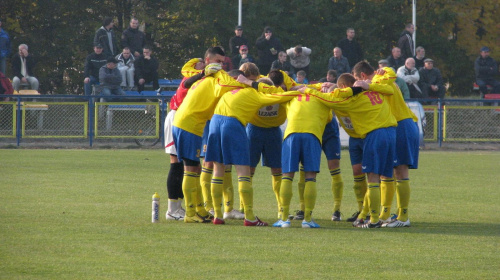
column 60, row 33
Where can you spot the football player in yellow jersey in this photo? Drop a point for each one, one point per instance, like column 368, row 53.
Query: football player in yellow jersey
column 372, row 116
column 407, row 146
column 188, row 126
column 228, row 144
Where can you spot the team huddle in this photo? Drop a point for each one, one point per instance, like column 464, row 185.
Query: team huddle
column 233, row 119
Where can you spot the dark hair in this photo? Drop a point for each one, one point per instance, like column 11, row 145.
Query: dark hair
column 332, row 73
column 235, row 73
column 214, row 51
column 276, row 76
column 298, row 49
column 106, row 21
column 362, row 67
column 147, row 47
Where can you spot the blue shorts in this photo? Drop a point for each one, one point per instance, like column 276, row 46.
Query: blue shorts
column 379, row 152
column 266, row 142
column 227, row 142
column 187, row 144
column 356, row 150
column 407, row 144
column 331, row 140
column 301, row 147
column 204, row 139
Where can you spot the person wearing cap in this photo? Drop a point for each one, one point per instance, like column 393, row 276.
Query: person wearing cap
column 93, row 63
column 400, row 82
column 110, row 78
column 23, row 65
column 431, row 82
column 106, row 37
column 299, row 58
column 268, row 47
column 486, row 69
column 237, row 41
column 243, row 57
column 4, row 47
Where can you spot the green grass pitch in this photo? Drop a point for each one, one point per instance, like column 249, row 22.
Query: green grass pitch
column 86, row 214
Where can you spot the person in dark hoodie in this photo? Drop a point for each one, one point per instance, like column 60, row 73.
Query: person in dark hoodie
column 93, row 63
column 405, row 42
column 106, row 37
column 268, row 47
column 146, row 69
column 133, row 38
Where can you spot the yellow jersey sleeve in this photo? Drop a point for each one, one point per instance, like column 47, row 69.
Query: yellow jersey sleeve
column 188, row 69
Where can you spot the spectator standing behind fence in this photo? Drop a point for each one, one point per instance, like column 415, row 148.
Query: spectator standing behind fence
column 23, row 65
column 338, row 62
column 133, row 38
column 410, row 75
column 146, row 70
column 282, row 63
column 106, row 37
column 110, row 78
column 419, row 57
column 243, row 57
column 405, row 42
column 486, row 69
column 93, row 63
column 395, row 59
column 4, row 48
column 268, row 47
column 400, row 82
column 431, row 82
column 237, row 41
column 299, row 58
column 126, row 67
column 351, row 48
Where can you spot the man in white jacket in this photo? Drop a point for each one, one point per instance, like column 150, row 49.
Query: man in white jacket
column 411, row 76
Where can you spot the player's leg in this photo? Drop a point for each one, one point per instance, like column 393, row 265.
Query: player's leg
column 217, row 189
column 387, row 190
column 331, row 147
column 206, row 172
column 360, row 185
column 311, row 159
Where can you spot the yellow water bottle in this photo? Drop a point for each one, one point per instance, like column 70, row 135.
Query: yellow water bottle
column 155, row 215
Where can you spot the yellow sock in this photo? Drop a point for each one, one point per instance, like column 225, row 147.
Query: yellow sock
column 310, row 194
column 228, row 191
column 403, row 198
column 276, row 180
column 365, row 209
column 360, row 187
column 198, row 200
column 242, row 205
column 217, row 186
column 205, row 180
column 374, row 201
column 302, row 185
column 285, row 196
column 387, row 189
column 189, row 184
column 337, row 188
column 246, row 192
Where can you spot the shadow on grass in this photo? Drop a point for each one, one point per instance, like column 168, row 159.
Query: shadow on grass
column 450, row 228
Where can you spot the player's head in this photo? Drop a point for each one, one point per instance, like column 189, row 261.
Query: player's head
column 276, row 76
column 235, row 73
column 346, row 80
column 250, row 70
column 266, row 81
column 362, row 70
column 214, row 55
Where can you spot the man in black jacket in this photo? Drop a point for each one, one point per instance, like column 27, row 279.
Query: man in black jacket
column 431, row 82
column 268, row 47
column 351, row 48
column 486, row 69
column 93, row 63
column 133, row 38
column 146, row 70
column 22, row 69
column 405, row 42
column 106, row 37
column 237, row 41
